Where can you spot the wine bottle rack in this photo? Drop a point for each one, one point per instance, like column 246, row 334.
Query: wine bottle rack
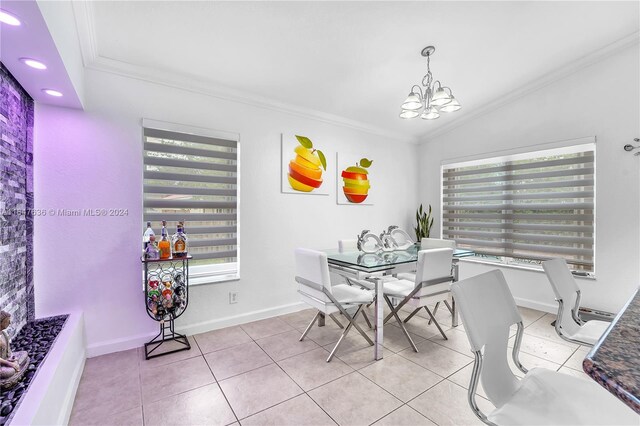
column 166, row 294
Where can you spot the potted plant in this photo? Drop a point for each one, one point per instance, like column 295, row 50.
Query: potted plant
column 424, row 223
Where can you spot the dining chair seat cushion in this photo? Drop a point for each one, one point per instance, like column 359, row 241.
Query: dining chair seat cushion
column 402, row 288
column 346, row 294
column 590, row 332
column 547, row 397
column 409, row 276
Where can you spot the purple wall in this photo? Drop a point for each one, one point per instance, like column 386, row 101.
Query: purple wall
column 16, row 201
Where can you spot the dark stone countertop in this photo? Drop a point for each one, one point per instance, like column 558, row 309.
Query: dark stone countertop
column 614, row 361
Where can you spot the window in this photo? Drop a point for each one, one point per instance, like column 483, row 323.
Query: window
column 524, row 208
column 193, row 178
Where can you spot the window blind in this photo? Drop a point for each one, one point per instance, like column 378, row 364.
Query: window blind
column 193, row 179
column 531, row 209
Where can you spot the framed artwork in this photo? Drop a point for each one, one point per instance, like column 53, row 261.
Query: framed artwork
column 304, row 166
column 354, row 180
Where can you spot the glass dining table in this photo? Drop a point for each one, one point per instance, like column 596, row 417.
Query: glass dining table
column 373, row 266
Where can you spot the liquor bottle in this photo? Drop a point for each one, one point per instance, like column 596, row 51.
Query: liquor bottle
column 151, row 252
column 164, row 244
column 179, row 241
column 148, row 233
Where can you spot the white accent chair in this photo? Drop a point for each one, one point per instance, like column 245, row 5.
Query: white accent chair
column 542, row 397
column 425, row 244
column 314, row 286
column 432, row 285
column 569, row 326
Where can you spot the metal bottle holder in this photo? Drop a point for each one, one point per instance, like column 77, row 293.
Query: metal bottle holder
column 166, row 293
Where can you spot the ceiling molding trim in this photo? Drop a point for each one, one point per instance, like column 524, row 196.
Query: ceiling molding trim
column 84, row 14
column 534, row 85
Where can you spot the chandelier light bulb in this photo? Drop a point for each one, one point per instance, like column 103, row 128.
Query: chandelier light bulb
column 440, row 98
column 413, row 102
column 406, row 113
column 430, row 114
column 452, row 106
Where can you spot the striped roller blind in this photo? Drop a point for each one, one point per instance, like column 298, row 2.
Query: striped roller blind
column 530, row 209
column 193, row 179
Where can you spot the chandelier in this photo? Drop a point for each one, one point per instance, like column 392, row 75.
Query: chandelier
column 428, row 101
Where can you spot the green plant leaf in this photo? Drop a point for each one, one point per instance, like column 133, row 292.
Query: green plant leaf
column 305, row 141
column 323, row 160
column 365, row 163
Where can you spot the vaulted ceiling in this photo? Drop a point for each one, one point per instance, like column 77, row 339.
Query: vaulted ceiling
column 356, row 60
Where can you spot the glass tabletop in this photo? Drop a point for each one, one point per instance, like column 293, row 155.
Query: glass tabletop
column 372, row 262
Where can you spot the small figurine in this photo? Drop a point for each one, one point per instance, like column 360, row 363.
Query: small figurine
column 13, row 365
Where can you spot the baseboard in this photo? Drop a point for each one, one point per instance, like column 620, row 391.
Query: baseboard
column 538, row 306
column 131, row 342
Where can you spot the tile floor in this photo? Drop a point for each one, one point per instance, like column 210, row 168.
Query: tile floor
column 260, row 374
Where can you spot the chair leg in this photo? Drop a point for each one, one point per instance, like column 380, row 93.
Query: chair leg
column 404, row 330
column 436, row 323
column 366, row 318
column 344, row 333
column 309, row 326
column 406, row 320
column 336, row 321
column 448, row 307
column 435, row 309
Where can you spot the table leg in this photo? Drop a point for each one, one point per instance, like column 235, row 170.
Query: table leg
column 454, row 314
column 321, row 319
column 379, row 318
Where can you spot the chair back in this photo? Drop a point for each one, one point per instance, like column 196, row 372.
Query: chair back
column 347, row 245
column 431, row 243
column 312, row 265
column 432, row 264
column 565, row 288
column 488, row 310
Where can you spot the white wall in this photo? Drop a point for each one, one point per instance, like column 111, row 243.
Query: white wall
column 93, row 159
column 601, row 100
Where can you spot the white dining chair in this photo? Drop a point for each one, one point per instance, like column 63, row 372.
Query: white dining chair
column 569, row 325
column 314, row 286
column 431, row 285
column 542, row 397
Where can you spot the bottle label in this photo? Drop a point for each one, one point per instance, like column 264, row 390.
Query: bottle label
column 179, row 246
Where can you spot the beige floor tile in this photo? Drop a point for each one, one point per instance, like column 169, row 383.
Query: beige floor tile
column 463, row 378
column 221, row 339
column 97, row 395
column 299, row 320
column 166, row 380
column 202, row 406
column 236, row 360
column 440, row 360
column 131, row 417
column 420, row 326
column 353, row 342
column 120, row 364
column 170, row 358
column 529, row 315
column 311, row 369
column 543, row 328
column 456, row 340
column 285, row 345
column 354, row 400
column 298, row 411
column 266, row 327
column 395, row 340
column 446, row 404
column 360, row 358
column 575, row 360
column 400, row 377
column 575, row 373
column 259, row 389
column 404, row 416
column 543, row 348
column 330, row 333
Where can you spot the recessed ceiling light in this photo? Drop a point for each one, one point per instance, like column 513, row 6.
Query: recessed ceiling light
column 33, row 63
column 9, row 19
column 52, row 92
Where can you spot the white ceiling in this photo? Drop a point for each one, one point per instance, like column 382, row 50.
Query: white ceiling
column 358, row 60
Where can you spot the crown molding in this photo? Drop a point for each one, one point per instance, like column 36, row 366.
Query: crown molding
column 85, row 23
column 534, row 85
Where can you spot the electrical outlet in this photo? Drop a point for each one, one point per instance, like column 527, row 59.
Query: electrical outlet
column 233, row 297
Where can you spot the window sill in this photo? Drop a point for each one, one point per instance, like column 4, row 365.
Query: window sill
column 213, row 279
column 521, row 267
